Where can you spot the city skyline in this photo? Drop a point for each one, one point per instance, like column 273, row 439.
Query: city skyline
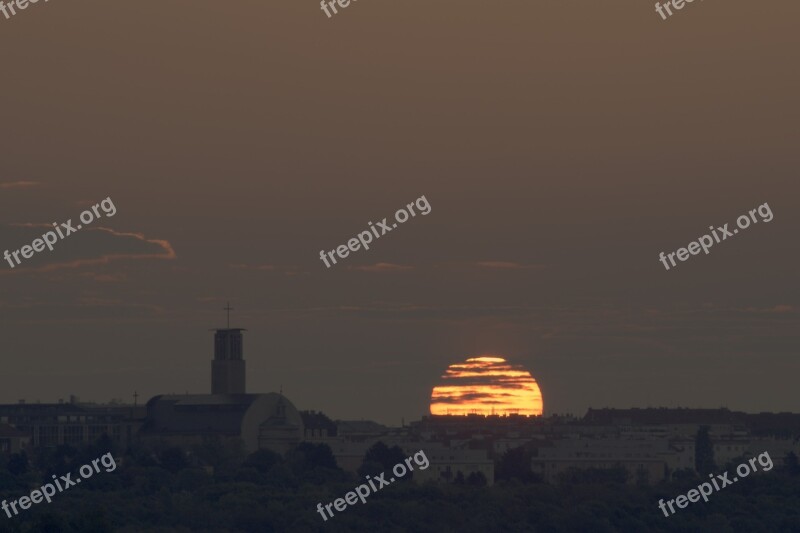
column 303, row 404
column 398, row 266
column 477, row 379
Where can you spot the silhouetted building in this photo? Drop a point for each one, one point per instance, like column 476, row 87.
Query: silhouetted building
column 228, row 374
column 260, row 420
column 52, row 424
column 360, row 430
column 12, row 440
column 439, row 427
column 664, row 416
column 317, row 425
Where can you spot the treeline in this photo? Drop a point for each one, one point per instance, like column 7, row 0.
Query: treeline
column 216, row 488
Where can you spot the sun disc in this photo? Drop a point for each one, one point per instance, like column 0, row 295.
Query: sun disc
column 486, row 385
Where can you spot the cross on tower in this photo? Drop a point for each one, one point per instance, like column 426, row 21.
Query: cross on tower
column 228, row 308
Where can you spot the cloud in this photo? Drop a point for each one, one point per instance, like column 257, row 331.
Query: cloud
column 118, row 277
column 434, row 312
column 83, row 308
column 30, row 225
column 776, row 309
column 18, row 184
column 242, row 266
column 286, row 270
column 381, row 267
column 507, row 265
column 87, row 247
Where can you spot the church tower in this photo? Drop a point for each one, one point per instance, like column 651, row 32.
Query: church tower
column 228, row 367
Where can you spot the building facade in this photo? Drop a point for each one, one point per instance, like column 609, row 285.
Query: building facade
column 228, row 368
column 51, row 424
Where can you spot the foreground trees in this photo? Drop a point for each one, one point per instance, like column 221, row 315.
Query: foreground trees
column 177, row 491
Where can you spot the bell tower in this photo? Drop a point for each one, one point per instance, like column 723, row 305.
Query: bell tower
column 228, row 370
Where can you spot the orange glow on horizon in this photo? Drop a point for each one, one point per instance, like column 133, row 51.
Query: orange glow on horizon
column 486, row 385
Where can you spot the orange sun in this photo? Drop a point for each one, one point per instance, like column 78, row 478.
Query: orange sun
column 485, row 386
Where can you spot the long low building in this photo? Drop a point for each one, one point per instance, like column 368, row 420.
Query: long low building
column 647, row 461
column 51, row 424
column 449, row 464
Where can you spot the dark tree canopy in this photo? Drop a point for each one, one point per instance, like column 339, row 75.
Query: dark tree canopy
column 515, row 464
column 262, row 493
column 380, row 458
column 263, row 460
column 173, row 459
column 18, row 463
column 704, row 452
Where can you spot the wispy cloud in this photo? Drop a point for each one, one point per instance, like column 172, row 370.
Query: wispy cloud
column 167, row 252
column 242, row 266
column 126, row 239
column 83, row 309
column 18, row 184
column 381, row 267
column 118, row 277
column 781, row 308
column 30, row 225
column 266, row 267
column 205, row 299
column 508, row 265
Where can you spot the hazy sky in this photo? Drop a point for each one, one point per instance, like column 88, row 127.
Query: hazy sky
column 561, row 145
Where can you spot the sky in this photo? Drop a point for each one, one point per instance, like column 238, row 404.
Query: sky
column 561, row 147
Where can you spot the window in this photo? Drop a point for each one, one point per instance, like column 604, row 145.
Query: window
column 73, row 434
column 48, row 435
column 95, row 432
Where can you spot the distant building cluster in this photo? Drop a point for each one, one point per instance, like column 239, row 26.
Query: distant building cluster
column 41, row 425
column 257, row 421
column 350, row 440
column 647, row 445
